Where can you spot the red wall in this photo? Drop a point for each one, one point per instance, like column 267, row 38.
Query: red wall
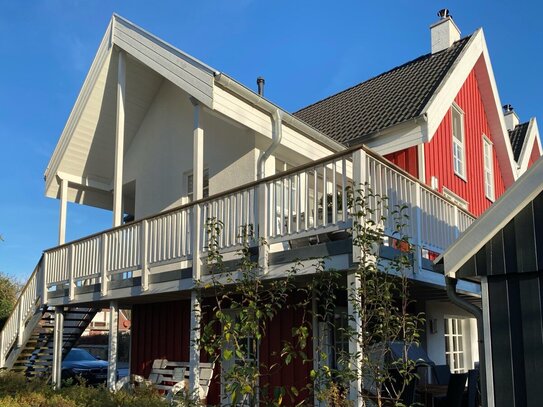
column 534, row 156
column 438, row 152
column 162, row 331
column 406, row 159
column 159, row 331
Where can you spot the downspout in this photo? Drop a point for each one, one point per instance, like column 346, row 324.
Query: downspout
column 478, row 314
column 277, row 135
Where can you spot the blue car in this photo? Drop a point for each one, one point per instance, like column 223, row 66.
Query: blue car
column 80, row 363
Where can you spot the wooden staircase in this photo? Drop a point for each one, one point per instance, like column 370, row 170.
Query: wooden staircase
column 35, row 356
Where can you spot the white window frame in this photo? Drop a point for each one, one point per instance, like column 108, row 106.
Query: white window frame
column 458, row 146
column 455, row 198
column 455, row 352
column 189, row 181
column 488, row 168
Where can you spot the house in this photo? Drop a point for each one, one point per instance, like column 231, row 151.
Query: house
column 161, row 138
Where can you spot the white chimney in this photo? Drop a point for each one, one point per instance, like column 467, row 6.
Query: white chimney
column 444, row 33
column 511, row 118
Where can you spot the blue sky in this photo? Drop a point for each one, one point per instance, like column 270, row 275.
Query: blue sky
column 306, row 50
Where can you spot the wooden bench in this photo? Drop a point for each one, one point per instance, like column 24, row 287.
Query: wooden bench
column 171, row 377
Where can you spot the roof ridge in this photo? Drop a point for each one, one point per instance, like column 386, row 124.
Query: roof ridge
column 422, row 57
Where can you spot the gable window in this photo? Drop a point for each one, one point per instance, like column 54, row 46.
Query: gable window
column 190, row 185
column 458, row 137
column 488, row 168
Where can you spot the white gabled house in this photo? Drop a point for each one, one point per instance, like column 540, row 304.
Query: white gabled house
column 160, row 138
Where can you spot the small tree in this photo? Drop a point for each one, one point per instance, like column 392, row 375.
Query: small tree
column 9, row 291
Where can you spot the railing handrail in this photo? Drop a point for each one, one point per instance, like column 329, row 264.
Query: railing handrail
column 36, row 270
column 267, row 179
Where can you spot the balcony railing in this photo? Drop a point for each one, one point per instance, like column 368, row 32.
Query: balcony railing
column 307, row 200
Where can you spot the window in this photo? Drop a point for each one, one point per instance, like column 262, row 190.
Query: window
column 190, row 185
column 459, row 153
column 488, row 168
column 454, row 346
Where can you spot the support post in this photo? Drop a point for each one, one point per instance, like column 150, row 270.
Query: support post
column 58, row 334
column 2, row 350
column 456, row 222
column 20, row 325
column 103, row 265
column 195, row 302
column 112, row 348
column 263, row 249
column 359, row 179
column 63, row 211
column 353, row 294
column 43, row 281
column 417, row 239
column 144, row 239
column 119, row 142
column 71, row 279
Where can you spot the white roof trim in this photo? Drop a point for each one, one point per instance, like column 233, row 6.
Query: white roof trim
column 531, row 139
column 494, row 219
column 440, row 103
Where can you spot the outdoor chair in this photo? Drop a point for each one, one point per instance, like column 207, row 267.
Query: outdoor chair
column 442, row 374
column 455, row 391
column 473, row 388
column 170, row 378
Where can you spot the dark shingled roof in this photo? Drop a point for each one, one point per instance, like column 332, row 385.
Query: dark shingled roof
column 388, row 99
column 517, row 136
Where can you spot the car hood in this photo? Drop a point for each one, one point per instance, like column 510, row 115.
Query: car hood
column 87, row 364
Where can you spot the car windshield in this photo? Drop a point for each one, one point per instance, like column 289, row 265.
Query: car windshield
column 79, row 354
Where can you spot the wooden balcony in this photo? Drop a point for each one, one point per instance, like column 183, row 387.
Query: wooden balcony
column 296, row 212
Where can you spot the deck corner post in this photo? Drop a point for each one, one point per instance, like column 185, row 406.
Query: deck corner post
column 360, row 177
column 20, row 324
column 58, row 334
column 71, row 279
column 194, row 357
column 44, row 270
column 63, row 211
column 417, row 239
column 103, row 266
column 456, row 231
column 262, row 219
column 144, row 239
column 112, row 348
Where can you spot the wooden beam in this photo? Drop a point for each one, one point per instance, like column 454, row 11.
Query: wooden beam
column 119, row 142
column 63, row 211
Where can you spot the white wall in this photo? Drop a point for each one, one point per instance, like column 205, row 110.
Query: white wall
column 160, row 155
column 435, row 342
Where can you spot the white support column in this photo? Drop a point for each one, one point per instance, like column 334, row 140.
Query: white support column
column 195, row 302
column 71, row 279
column 359, row 179
column 57, row 347
column 112, row 349
column 119, row 142
column 144, row 259
column 353, row 291
column 421, row 163
column 63, row 211
column 43, row 281
column 456, row 230
column 263, row 206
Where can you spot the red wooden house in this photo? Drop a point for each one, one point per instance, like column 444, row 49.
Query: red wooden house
column 161, row 138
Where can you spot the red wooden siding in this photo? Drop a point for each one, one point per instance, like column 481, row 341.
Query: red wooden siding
column 534, row 156
column 297, row 373
column 159, row 331
column 438, row 152
column 406, row 159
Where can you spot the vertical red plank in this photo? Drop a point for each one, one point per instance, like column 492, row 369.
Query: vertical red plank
column 534, row 156
column 406, row 159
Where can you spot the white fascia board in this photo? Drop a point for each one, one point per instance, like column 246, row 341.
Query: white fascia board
column 399, row 137
column 531, row 140
column 442, row 99
column 97, row 65
column 494, row 219
column 88, row 182
column 475, row 56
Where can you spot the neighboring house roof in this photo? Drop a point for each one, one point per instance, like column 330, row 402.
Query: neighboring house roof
column 391, row 98
column 517, row 137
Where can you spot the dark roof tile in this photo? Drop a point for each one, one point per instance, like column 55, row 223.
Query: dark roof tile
column 383, row 101
column 517, row 136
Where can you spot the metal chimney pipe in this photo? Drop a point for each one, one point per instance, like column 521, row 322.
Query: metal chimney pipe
column 260, row 83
